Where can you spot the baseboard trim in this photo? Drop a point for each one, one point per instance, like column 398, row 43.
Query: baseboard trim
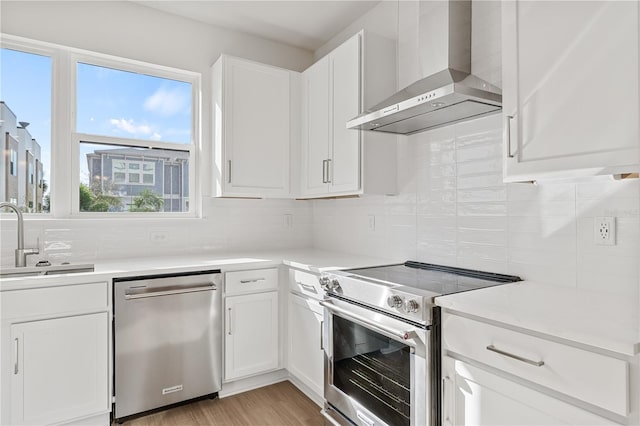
column 253, row 382
column 312, row 395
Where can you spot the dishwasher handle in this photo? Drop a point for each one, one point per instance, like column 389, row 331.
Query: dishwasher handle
column 144, row 292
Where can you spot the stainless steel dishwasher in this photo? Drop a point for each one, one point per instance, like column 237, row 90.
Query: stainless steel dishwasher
column 167, row 340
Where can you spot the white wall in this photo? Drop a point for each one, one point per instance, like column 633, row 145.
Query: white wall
column 134, row 31
column 382, row 20
column 131, row 30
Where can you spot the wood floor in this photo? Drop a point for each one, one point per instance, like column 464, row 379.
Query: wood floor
column 276, row 405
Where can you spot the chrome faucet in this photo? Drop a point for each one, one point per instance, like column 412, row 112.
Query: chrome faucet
column 21, row 252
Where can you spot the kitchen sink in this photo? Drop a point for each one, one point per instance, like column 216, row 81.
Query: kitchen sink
column 33, row 271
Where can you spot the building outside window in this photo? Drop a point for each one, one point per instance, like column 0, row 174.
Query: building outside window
column 25, row 127
column 129, row 174
column 13, row 167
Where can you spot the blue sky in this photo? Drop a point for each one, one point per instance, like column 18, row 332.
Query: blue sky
column 118, row 103
column 109, row 102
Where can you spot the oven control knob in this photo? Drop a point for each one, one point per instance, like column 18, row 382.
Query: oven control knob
column 333, row 285
column 394, row 301
column 324, row 282
column 411, row 306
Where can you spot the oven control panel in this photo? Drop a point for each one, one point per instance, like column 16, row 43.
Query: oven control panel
column 382, row 296
column 406, row 305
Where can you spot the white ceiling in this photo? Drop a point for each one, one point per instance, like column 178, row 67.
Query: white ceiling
column 307, row 23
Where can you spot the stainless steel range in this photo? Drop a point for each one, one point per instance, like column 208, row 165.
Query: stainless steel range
column 382, row 341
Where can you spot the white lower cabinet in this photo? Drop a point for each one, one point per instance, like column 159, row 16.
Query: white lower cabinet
column 304, row 347
column 495, row 375
column 474, row 396
column 55, row 354
column 251, row 324
column 59, row 369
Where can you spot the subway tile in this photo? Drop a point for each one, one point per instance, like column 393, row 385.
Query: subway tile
column 479, row 167
column 542, row 208
column 480, row 195
column 482, row 209
column 493, row 252
column 482, row 236
column 480, row 181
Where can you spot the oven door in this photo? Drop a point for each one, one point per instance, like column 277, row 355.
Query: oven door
column 376, row 367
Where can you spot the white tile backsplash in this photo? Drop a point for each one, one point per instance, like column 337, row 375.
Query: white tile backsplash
column 466, row 216
column 227, row 225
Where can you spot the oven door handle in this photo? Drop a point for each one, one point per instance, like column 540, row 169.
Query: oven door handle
column 405, row 336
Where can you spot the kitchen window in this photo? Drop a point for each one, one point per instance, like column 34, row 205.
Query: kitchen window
column 128, row 127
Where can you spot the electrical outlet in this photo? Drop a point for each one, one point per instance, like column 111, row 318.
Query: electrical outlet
column 605, row 231
column 372, row 223
column 288, row 221
column 158, row 236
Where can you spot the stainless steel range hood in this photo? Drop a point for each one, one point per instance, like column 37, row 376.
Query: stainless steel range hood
column 448, row 93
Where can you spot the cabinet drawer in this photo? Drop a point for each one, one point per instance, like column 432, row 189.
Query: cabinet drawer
column 305, row 283
column 241, row 282
column 593, row 378
column 54, row 300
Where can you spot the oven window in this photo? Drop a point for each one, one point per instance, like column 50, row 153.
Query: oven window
column 372, row 369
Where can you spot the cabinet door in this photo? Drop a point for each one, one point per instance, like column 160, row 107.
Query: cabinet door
column 251, row 334
column 257, row 128
column 315, row 140
column 60, row 369
column 345, row 74
column 472, row 396
column 570, row 84
column 306, row 355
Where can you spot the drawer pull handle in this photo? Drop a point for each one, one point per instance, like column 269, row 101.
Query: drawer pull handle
column 252, row 281
column 309, row 288
column 519, row 358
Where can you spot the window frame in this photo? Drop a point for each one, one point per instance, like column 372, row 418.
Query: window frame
column 65, row 140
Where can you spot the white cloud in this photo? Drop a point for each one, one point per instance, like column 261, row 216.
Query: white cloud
column 156, row 136
column 132, row 128
column 166, row 102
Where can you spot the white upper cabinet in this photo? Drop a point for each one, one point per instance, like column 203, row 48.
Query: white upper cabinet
column 315, row 146
column 336, row 160
column 344, row 76
column 252, row 106
column 570, row 88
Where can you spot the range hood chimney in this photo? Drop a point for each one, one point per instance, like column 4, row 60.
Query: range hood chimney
column 447, row 93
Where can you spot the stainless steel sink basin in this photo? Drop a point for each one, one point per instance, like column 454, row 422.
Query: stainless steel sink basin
column 32, row 271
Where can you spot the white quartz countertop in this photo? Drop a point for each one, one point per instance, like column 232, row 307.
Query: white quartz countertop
column 600, row 320
column 307, row 259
